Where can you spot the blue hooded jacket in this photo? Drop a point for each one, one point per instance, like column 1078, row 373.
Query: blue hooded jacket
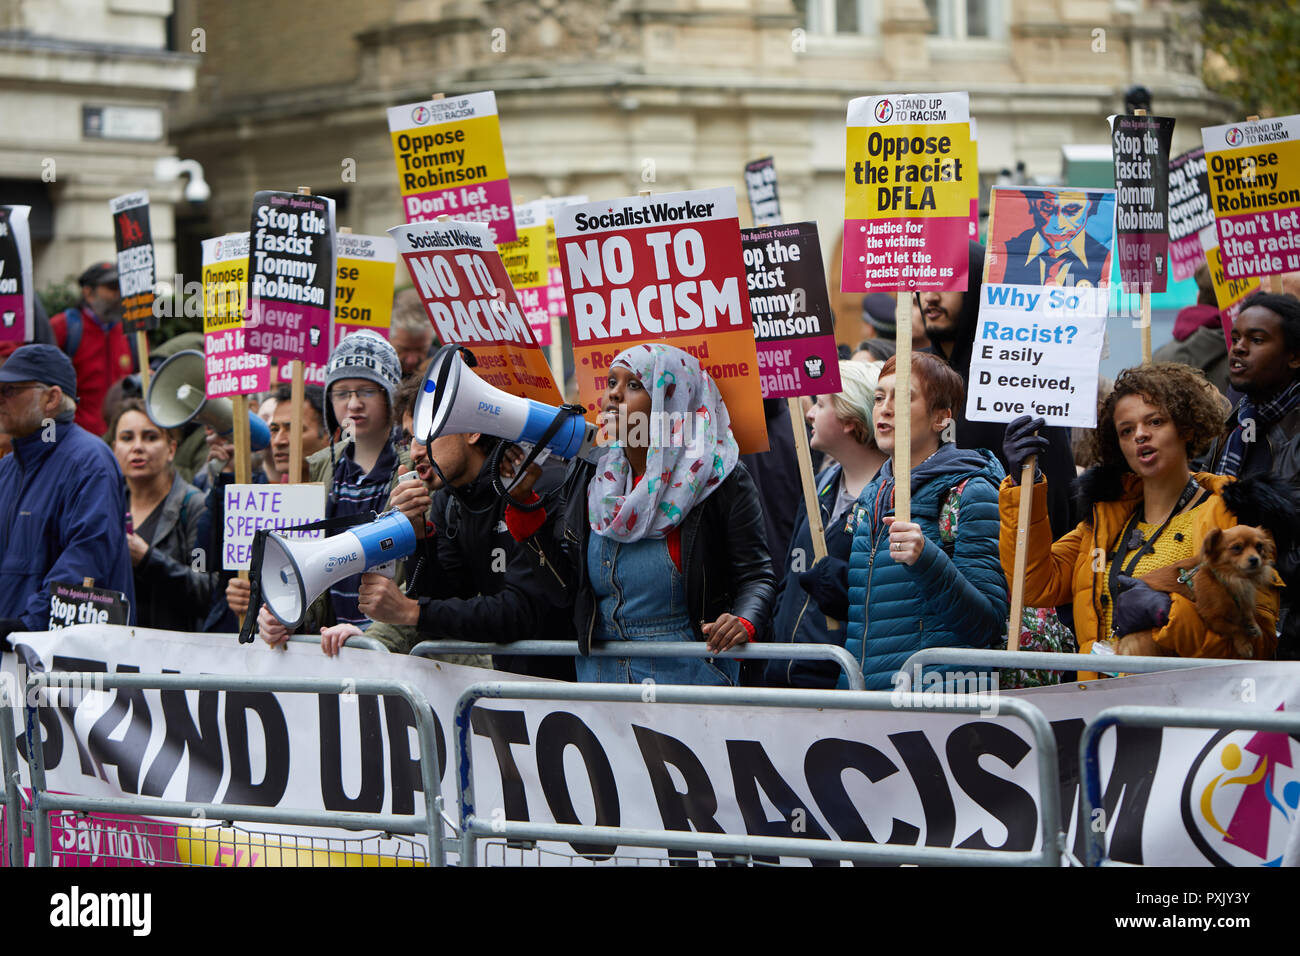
column 62, row 518
column 953, row 595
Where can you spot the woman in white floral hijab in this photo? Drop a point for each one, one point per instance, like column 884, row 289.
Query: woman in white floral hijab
column 662, row 538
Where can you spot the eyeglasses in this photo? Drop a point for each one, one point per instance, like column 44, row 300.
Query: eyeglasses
column 341, row 395
column 8, row 391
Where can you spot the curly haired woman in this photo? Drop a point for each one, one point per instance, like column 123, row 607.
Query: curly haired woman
column 1145, row 509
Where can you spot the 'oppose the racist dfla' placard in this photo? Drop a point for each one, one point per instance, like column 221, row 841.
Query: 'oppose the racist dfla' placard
column 464, row 287
column 135, row 260
column 908, row 183
column 668, row 269
column 450, row 162
column 1140, row 145
column 291, row 274
column 793, row 324
column 1255, row 182
column 1043, row 305
column 229, row 367
column 16, row 315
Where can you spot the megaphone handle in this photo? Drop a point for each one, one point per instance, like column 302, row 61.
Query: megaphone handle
column 388, row 569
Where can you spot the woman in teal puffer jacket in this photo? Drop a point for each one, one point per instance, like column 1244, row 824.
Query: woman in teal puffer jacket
column 937, row 580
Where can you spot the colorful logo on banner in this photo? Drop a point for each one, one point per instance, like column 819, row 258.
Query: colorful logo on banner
column 1241, row 800
column 363, row 286
column 1043, row 306
column 525, row 260
column 450, row 162
column 908, row 183
column 291, row 273
column 463, row 285
column 1140, row 145
column 16, row 308
column 760, row 184
column 1254, row 173
column 229, row 367
column 793, row 325
column 1189, row 212
column 663, row 269
column 135, row 260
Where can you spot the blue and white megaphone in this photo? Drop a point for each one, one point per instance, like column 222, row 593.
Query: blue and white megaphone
column 454, row 401
column 295, row 572
column 176, row 396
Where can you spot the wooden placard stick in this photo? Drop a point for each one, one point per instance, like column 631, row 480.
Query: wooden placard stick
column 903, row 409
column 142, row 350
column 811, row 505
column 297, row 393
column 1022, row 548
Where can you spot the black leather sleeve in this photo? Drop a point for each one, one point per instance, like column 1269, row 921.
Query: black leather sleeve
column 749, row 564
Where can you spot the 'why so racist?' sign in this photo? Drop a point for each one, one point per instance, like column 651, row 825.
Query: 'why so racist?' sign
column 16, row 315
column 464, row 287
column 664, row 269
column 793, row 324
column 135, row 260
column 1043, row 306
column 1141, row 149
column 1189, row 212
column 1255, row 182
column 450, row 162
column 363, row 287
column 229, row 368
column 908, row 185
column 291, row 276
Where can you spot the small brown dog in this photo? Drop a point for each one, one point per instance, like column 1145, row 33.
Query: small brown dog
column 1221, row 581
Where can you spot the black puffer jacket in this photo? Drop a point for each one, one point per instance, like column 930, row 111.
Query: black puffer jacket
column 725, row 559
column 172, row 588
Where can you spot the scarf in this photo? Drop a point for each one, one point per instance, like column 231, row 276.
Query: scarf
column 691, row 449
column 1261, row 416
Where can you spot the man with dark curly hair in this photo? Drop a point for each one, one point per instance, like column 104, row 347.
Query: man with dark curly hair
column 1262, row 435
column 1143, row 508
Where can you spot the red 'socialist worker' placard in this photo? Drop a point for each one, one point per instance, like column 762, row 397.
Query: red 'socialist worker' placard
column 667, row 269
column 463, row 284
column 908, row 182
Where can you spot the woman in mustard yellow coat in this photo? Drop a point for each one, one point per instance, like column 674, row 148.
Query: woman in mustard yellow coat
column 1143, row 509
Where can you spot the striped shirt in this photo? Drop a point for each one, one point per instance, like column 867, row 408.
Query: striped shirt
column 355, row 492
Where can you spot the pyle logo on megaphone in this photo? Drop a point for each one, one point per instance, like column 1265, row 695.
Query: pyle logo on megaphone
column 339, row 560
column 454, row 401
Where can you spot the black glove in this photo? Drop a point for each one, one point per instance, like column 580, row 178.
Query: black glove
column 828, row 583
column 1138, row 607
column 1019, row 442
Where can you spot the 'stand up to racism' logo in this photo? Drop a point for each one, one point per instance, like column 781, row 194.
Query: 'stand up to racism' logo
column 420, row 115
column 884, row 110
column 1234, row 136
column 1240, row 798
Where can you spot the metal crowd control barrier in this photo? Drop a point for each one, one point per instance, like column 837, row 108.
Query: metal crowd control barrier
column 1135, row 716
column 11, row 805
column 473, row 828
column 356, row 640
column 1043, row 661
column 748, row 651
column 45, row 802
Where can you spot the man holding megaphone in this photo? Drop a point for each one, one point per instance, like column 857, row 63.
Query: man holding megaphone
column 469, row 579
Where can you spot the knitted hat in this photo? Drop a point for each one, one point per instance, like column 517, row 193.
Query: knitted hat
column 363, row 354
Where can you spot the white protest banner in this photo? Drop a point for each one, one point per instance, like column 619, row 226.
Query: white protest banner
column 919, row 778
column 16, row 288
column 250, row 508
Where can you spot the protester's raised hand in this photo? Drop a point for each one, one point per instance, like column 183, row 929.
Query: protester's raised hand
column 380, row 599
column 1021, row 441
column 332, row 638
column 411, row 498
column 270, row 629
column 510, row 462
column 724, row 633
column 237, row 592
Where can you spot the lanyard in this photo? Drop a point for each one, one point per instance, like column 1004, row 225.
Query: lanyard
column 1143, row 546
